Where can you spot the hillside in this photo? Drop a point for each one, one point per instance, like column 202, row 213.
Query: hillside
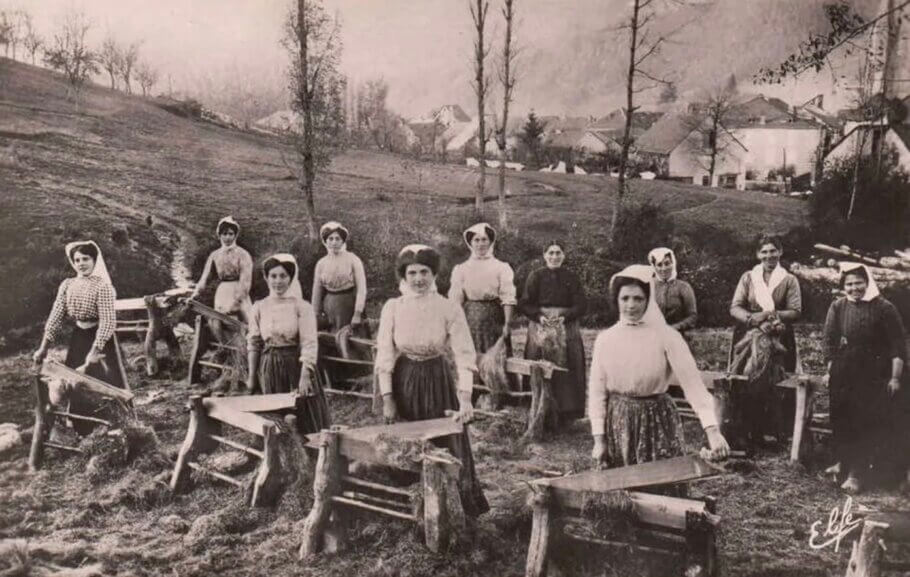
column 88, row 167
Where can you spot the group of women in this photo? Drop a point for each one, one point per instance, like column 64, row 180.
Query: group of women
column 428, row 344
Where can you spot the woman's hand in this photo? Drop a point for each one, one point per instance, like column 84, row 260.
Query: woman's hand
column 251, row 382
column 357, row 318
column 39, row 355
column 305, row 386
column 599, row 452
column 720, row 449
column 465, row 412
column 757, row 319
column 389, row 409
column 543, row 319
column 894, row 385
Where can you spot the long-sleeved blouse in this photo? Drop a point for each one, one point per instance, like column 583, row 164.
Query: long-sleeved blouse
column 556, row 287
column 423, row 327
column 874, row 325
column 639, row 360
column 284, row 321
column 676, row 300
column 483, row 279
column 84, row 299
column 341, row 272
column 786, row 296
column 232, row 263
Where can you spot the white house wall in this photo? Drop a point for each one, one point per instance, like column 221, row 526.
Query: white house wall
column 903, row 154
column 766, row 148
column 687, row 160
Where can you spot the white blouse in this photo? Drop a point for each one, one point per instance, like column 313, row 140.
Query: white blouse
column 481, row 279
column 639, row 360
column 341, row 272
column 284, row 321
column 422, row 327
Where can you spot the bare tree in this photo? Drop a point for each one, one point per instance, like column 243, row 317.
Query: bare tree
column 643, row 45
column 13, row 21
column 507, row 77
column 147, row 77
column 6, row 30
column 317, row 89
column 481, row 85
column 129, row 55
column 710, row 122
column 109, row 58
column 69, row 52
column 31, row 41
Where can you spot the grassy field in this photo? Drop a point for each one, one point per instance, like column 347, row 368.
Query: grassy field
column 149, row 185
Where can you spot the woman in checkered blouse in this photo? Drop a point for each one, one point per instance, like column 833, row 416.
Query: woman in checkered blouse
column 88, row 299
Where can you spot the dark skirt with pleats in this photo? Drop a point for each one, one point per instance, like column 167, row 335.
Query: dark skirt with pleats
column 568, row 388
column 644, row 429
column 426, row 389
column 485, row 319
column 81, row 343
column 339, row 307
column 279, row 372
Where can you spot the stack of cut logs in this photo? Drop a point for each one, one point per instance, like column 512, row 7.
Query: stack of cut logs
column 889, row 271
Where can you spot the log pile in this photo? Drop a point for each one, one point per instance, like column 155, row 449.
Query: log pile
column 890, row 272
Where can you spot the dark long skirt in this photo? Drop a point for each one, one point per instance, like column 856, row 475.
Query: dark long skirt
column 339, row 307
column 279, row 372
column 860, row 407
column 569, row 388
column 644, row 429
column 485, row 319
column 776, row 407
column 426, row 390
column 81, row 343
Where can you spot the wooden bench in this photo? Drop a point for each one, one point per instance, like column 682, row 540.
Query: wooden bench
column 203, row 341
column 204, row 434
column 436, row 505
column 721, row 385
column 152, row 327
column 670, row 525
column 45, row 413
column 867, row 558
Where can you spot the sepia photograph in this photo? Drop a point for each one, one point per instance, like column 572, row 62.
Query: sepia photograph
column 454, row 288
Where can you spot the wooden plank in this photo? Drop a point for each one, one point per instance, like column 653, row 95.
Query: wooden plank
column 376, row 486
column 55, row 370
column 211, row 313
column 238, row 446
column 518, row 366
column 661, row 472
column 250, row 422
column 138, row 303
column 358, row 394
column 258, row 403
column 342, row 360
column 368, row 507
column 81, row 418
column 220, row 476
column 898, row 524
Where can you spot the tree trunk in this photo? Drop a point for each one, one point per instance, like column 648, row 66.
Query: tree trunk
column 627, row 131
column 305, row 96
column 858, row 157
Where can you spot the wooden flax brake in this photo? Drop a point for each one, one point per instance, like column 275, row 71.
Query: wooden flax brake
column 663, row 525
column 436, row 506
column 805, row 386
column 867, row 558
column 328, row 361
column 150, row 329
column 45, row 413
column 202, row 341
column 204, row 434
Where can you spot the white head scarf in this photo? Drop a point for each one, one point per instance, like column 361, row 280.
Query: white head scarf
column 763, row 292
column 484, row 229
column 659, row 254
column 645, row 274
column 871, row 288
column 227, row 220
column 294, row 289
column 328, row 228
column 100, row 269
column 403, row 286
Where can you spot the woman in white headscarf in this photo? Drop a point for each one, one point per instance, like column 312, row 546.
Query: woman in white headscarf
column 633, row 419
column 767, row 299
column 865, row 351
column 485, row 287
column 674, row 296
column 282, row 343
column 234, row 267
column 339, row 281
column 420, row 334
column 88, row 299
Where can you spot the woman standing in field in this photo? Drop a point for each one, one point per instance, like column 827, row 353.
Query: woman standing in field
column 675, row 297
column 88, row 299
column 282, row 343
column 633, row 419
column 865, row 351
column 553, row 300
column 339, row 281
column 418, row 332
column 484, row 286
column 234, row 267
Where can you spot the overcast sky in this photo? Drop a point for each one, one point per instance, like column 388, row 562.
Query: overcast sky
column 419, row 46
